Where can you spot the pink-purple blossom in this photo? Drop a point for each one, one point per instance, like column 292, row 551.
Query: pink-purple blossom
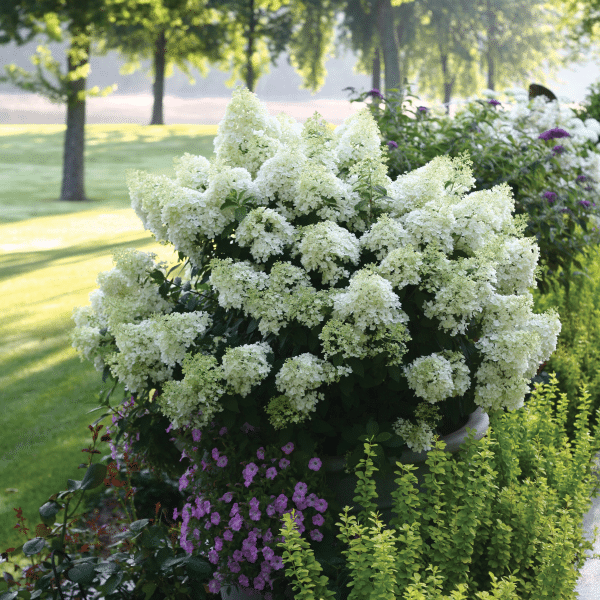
column 228, row 535
column 222, row 461
column 227, row 497
column 550, row 197
column 213, row 557
column 236, row 523
column 392, row 144
column 559, row 149
column 314, row 464
column 244, row 581
column 223, row 431
column 215, row 518
column 271, row 473
column 288, row 448
column 261, row 453
column 316, row 535
column 320, row 505
column 375, row 92
column 214, row 586
column 215, row 453
column 318, row 520
column 284, row 463
column 494, row 102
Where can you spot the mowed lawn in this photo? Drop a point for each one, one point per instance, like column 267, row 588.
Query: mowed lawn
column 50, row 255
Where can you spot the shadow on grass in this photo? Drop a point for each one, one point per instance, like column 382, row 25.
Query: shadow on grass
column 17, row 263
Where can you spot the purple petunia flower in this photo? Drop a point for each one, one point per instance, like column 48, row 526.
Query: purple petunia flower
column 259, row 582
column 261, row 453
column 318, row 520
column 222, row 461
column 316, row 535
column 268, row 536
column 249, row 472
column 284, row 463
column 281, row 503
column 392, row 144
column 553, row 134
column 234, row 566
column 219, row 544
column 288, row 448
column 314, row 464
column 214, row 586
column 271, row 473
column 236, row 523
column 311, row 499
column 196, row 435
column 175, row 514
column 270, row 510
column 238, row 555
column 268, row 553
column 301, row 488
column 559, row 149
column 585, row 203
column 215, row 518
column 223, row 431
column 494, row 102
column 213, row 557
column 277, row 563
column 551, row 197
column 244, row 582
column 375, row 92
column 227, row 497
column 228, row 535
column 215, row 453
column 255, row 514
column 321, row 505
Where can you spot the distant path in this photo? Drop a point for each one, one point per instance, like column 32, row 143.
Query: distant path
column 30, row 108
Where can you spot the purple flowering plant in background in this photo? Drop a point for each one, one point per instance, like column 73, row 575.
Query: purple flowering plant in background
column 554, row 134
column 494, row 102
column 238, row 492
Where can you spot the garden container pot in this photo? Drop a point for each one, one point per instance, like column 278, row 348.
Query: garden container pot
column 344, row 484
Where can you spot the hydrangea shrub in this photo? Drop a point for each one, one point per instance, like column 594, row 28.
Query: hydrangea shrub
column 316, row 294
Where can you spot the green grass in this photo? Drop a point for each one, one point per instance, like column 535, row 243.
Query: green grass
column 50, row 254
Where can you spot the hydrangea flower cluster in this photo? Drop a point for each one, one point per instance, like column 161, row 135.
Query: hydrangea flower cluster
column 315, row 282
column 237, row 530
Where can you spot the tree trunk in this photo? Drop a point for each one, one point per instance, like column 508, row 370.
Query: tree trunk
column 72, row 188
column 491, row 30
column 376, row 71
column 250, row 76
column 448, row 82
column 389, row 45
column 158, row 87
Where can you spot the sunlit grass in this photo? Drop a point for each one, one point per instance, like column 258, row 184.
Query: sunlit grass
column 50, row 255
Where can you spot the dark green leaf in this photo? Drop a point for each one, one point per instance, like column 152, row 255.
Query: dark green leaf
column 72, row 485
column 82, row 573
column 94, row 476
column 111, row 583
column 230, row 403
column 48, row 512
column 34, row 546
column 137, row 526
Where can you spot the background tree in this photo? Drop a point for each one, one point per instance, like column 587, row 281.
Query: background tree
column 77, row 21
column 170, row 33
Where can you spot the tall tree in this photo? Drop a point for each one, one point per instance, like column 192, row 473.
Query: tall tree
column 170, row 33
column 77, row 21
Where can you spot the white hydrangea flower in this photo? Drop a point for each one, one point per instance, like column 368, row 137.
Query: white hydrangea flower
column 148, row 194
column 325, row 244
column 516, row 267
column 357, row 138
column 436, row 378
column 246, row 366
column 369, row 301
column 462, row 290
column 385, row 234
column 194, row 399
column 277, row 179
column 497, row 389
column 247, row 135
column 319, row 191
column 266, row 232
column 402, row 266
column 419, row 437
column 126, row 293
column 481, row 214
column 301, row 375
column 291, row 130
column 86, row 340
column 430, row 183
column 192, row 171
column 431, row 224
column 235, row 281
column 317, row 142
column 175, row 333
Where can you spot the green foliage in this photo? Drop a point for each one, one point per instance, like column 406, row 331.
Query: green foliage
column 501, row 519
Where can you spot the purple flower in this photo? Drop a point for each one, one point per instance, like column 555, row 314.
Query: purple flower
column 268, row 553
column 375, row 92
column 318, row 520
column 244, row 582
column 585, row 203
column 281, row 503
column 261, row 453
column 214, row 586
column 196, row 435
column 553, row 134
column 301, row 489
column 219, row 544
column 215, row 518
column 314, row 464
column 288, row 448
column 238, row 555
column 311, row 499
column 215, row 453
column 235, row 509
column 551, row 197
column 558, row 149
column 284, row 463
column 392, row 144
column 251, row 554
column 255, row 514
column 183, row 482
column 277, row 563
column 213, row 557
column 581, row 178
column 222, row 461
column 175, row 514
column 320, row 505
column 254, row 502
column 494, row 102
column 236, row 523
column 422, row 109
column 316, row 535
column 268, row 536
column 234, row 566
column 301, row 503
column 228, row 535
column 227, row 497
column 223, row 431
column 249, row 472
column 270, row 510
column 271, row 473
column 259, row 582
